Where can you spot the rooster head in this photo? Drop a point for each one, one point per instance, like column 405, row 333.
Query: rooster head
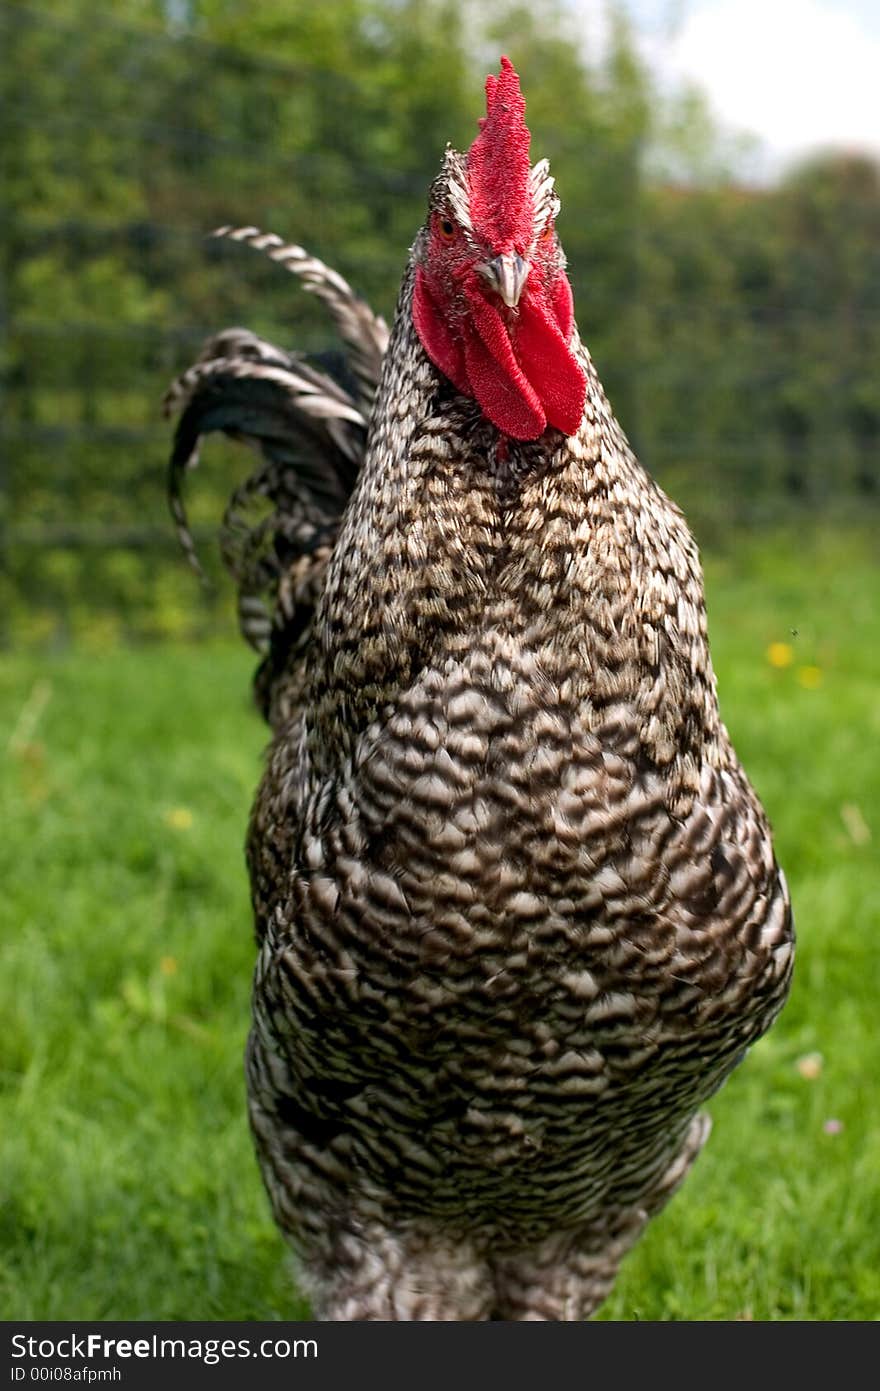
column 492, row 304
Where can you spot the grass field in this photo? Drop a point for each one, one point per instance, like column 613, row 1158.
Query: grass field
column 128, row 1188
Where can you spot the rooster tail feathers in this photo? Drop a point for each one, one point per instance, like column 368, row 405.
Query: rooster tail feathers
column 308, row 430
column 364, row 333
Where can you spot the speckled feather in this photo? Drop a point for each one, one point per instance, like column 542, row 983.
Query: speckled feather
column 517, row 907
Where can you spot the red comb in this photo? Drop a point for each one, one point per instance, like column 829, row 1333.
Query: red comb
column 498, row 165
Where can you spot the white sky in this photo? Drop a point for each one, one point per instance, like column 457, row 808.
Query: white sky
column 799, row 74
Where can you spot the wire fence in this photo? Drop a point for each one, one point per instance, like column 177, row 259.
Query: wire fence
column 122, row 147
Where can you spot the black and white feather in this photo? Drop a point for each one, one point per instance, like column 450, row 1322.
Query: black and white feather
column 517, row 906
column 306, row 422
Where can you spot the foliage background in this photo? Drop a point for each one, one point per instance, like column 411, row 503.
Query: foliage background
column 737, row 330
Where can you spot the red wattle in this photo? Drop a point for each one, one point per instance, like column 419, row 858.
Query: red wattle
column 443, row 348
column 500, row 386
column 518, row 368
column 499, row 398
column 562, row 302
column 544, row 356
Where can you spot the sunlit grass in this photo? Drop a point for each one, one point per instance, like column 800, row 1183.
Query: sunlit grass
column 128, row 1187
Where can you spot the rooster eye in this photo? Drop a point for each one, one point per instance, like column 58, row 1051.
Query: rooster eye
column 447, row 228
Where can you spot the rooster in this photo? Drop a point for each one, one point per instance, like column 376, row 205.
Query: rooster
column 517, row 908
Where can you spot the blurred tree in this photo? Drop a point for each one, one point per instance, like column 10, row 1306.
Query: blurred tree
column 829, row 212
column 737, row 329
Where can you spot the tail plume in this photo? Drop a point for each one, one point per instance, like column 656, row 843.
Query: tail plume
column 308, row 428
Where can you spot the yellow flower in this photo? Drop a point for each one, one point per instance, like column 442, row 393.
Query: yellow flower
column 855, row 823
column 810, row 1066
column 780, row 654
column 179, row 818
column 809, row 677
column 168, row 966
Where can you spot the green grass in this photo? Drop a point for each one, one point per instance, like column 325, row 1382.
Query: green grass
column 128, row 1187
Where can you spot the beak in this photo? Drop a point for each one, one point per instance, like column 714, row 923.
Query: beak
column 507, row 275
